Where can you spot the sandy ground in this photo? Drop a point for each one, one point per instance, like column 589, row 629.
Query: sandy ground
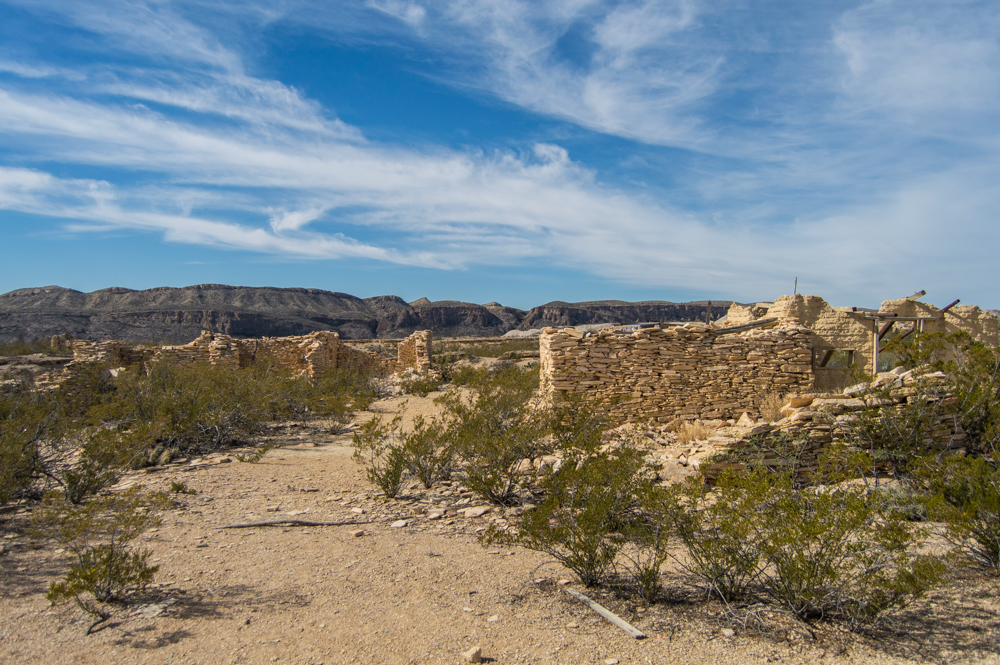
column 423, row 593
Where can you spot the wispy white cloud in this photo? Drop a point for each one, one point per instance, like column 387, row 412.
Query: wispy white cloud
column 221, row 143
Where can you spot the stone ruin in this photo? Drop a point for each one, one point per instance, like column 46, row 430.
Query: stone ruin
column 797, row 344
column 810, row 423
column 846, row 336
column 314, row 355
column 688, row 372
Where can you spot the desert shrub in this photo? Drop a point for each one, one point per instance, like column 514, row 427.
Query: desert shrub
column 767, row 452
column 964, row 493
column 973, row 371
column 420, row 385
column 690, row 432
column 425, row 453
column 718, row 531
column 376, row 447
column 19, row 347
column 589, row 502
column 895, row 432
column 352, row 387
column 771, row 405
column 649, row 534
column 24, row 422
column 829, row 552
column 99, row 534
column 495, row 425
column 462, row 376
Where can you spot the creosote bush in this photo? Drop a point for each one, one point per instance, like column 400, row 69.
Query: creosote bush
column 583, row 521
column 834, row 551
column 493, row 425
column 99, row 534
column 84, row 435
column 377, row 448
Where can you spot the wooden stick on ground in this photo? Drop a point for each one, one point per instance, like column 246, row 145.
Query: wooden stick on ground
column 248, row 525
column 608, row 614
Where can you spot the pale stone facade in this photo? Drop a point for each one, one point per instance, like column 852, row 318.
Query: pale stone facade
column 687, row 372
column 851, row 332
column 314, row 355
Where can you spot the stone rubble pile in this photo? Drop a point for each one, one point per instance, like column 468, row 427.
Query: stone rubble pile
column 812, row 422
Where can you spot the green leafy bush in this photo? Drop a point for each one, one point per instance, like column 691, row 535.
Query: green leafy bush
column 494, row 425
column 829, row 552
column 99, row 534
column 719, row 530
column 420, row 386
column 964, row 493
column 376, row 447
column 425, row 453
column 589, row 503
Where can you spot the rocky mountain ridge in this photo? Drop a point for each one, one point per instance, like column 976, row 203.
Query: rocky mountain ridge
column 178, row 315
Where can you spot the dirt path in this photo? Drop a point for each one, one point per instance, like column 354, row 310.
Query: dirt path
column 423, row 593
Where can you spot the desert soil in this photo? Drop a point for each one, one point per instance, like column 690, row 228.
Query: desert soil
column 421, row 593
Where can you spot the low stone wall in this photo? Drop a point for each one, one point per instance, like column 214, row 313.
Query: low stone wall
column 685, row 372
column 810, row 424
column 415, row 351
column 314, row 355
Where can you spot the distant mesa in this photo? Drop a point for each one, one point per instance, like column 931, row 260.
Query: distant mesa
column 178, row 315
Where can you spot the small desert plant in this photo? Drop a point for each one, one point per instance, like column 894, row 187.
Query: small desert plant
column 690, row 432
column 424, row 454
column 420, row 386
column 99, row 534
column 771, row 405
column 495, row 427
column 257, row 455
column 376, row 447
column 177, row 487
column 589, row 501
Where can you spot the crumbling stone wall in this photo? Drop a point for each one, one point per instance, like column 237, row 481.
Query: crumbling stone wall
column 811, row 423
column 687, row 372
column 314, row 355
column 847, row 329
column 415, row 351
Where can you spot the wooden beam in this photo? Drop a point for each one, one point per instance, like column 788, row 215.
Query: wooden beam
column 917, row 296
column 903, row 336
column 747, row 326
column 950, row 305
column 608, row 614
column 826, row 358
column 885, row 329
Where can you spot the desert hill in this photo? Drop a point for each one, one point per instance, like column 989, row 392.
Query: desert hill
column 178, row 315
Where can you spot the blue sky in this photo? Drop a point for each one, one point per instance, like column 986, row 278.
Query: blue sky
column 504, row 150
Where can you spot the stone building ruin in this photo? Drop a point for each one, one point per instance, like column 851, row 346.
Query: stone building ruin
column 314, row 355
column 842, row 337
column 797, row 344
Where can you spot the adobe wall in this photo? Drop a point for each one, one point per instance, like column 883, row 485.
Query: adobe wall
column 844, row 328
column 686, row 372
column 314, row 355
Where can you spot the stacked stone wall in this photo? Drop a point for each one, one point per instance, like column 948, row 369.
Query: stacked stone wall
column 686, row 372
column 811, row 424
column 414, row 352
column 314, row 355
